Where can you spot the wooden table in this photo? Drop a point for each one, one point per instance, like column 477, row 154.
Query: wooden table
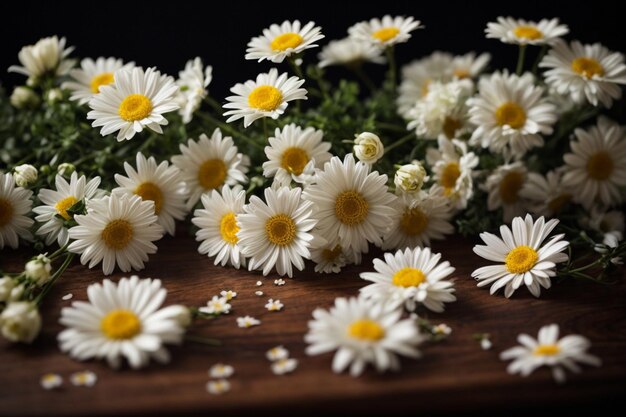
column 453, row 375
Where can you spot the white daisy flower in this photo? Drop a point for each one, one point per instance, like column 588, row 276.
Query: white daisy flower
column 247, row 321
column 418, row 221
column 229, row 295
column 350, row 53
column 15, row 205
column 117, row 230
column 548, row 350
column 351, row 203
column 47, row 56
column 279, row 282
column 291, row 149
column 277, row 353
column 268, row 96
column 526, row 260
column 362, row 332
column 50, row 381
column 208, row 164
column 585, row 72
column 504, row 186
column 218, row 387
column 442, row 329
column 274, row 305
column 610, row 224
column 136, row 99
column 469, row 66
column 524, row 32
column 284, row 366
column 220, row 370
column 216, row 305
column 547, row 195
column 84, row 379
column 385, row 32
column 121, row 320
column 53, row 213
column 596, row 167
column 280, row 42
column 192, row 87
column 87, row 80
column 410, row 277
column 331, row 257
column 511, row 114
column 277, row 232
column 161, row 184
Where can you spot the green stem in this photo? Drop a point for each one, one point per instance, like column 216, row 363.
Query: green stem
column 202, row 340
column 361, row 75
column 392, row 66
column 55, row 276
column 391, row 126
column 520, row 59
column 225, row 127
column 265, row 129
column 59, row 252
column 400, row 141
column 542, row 53
column 296, row 68
column 213, row 103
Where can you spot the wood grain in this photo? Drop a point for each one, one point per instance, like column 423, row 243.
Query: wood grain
column 454, row 375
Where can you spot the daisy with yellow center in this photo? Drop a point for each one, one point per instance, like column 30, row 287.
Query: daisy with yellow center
column 134, row 100
column 469, row 66
column 291, row 150
column 277, row 232
column 504, row 186
column 280, row 42
column 218, row 226
column 15, row 204
column 268, row 96
column 523, row 32
column 548, row 350
column 209, row 164
column 122, row 320
column 362, row 332
column 162, row 184
column 87, row 80
column 547, row 196
column 117, row 230
column 385, row 32
column 525, row 258
column 410, row 277
column 331, row 257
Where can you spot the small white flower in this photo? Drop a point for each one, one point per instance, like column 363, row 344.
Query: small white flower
column 24, row 98
column 229, row 295
column 259, row 283
column 274, row 305
column 485, row 343
column 247, row 321
column 280, row 42
column 50, row 381
column 279, row 282
column 410, row 178
column 548, row 195
column 368, row 148
column 349, row 52
column 442, row 329
column 46, row 57
column 192, row 87
column 385, row 32
column 25, row 175
column 331, row 257
column 84, row 379
column 38, row 269
column 20, row 321
column 220, row 370
column 548, row 350
column 284, row 366
column 277, row 353
column 504, row 186
column 523, row 32
column 258, row 293
column 216, row 305
column 218, row 387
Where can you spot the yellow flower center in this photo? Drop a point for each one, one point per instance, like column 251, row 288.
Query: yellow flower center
column 63, row 205
column 229, row 228
column 449, row 176
column 450, row 126
column 546, row 350
column 408, row 277
column 510, row 187
column 527, row 32
column 587, row 67
column 212, row 173
column 120, row 325
column 280, row 229
column 600, row 166
column 286, row 41
column 351, row 208
column 117, row 234
column 425, row 87
column 294, row 160
column 386, row 34
column 557, row 204
column 99, row 80
column 462, row 73
column 511, row 114
column 265, row 97
column 331, row 255
column 413, row 221
column 152, row 192
column 6, row 212
column 521, row 259
column 366, row 330
column 135, row 107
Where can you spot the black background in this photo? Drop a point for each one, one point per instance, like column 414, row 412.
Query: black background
column 167, row 36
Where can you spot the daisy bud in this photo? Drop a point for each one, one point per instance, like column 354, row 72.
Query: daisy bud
column 368, row 148
column 66, row 169
column 25, row 174
column 485, row 343
column 410, row 178
column 54, row 95
column 16, row 293
column 24, row 98
column 182, row 314
column 6, row 286
column 38, row 269
column 20, row 322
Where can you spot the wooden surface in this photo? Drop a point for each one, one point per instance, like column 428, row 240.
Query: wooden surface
column 454, row 375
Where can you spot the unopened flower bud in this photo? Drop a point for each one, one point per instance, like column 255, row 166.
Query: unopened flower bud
column 368, row 148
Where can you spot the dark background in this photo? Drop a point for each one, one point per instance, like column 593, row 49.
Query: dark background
column 167, row 36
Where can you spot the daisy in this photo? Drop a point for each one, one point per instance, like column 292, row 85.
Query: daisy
column 51, row 381
column 523, row 32
column 610, row 224
column 585, row 72
column 121, row 320
column 284, row 366
column 87, row 80
column 268, row 96
column 291, row 149
column 441, row 329
column 597, row 164
column 277, row 232
column 15, row 204
column 418, row 221
column 47, row 56
column 117, row 230
column 247, row 321
column 547, row 195
column 84, row 379
column 229, row 295
column 220, row 370
column 504, row 186
column 279, row 282
column 192, row 87
column 469, row 66
column 350, row 53
column 218, row 387
column 280, row 42
column 362, row 332
column 331, row 257
column 216, row 305
column 410, row 277
column 511, row 114
column 385, row 32
column 351, row 203
column 134, row 100
column 525, row 260
column 549, row 350
column 277, row 353
column 208, row 164
column 54, row 211
column 274, row 305
column 162, row 184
